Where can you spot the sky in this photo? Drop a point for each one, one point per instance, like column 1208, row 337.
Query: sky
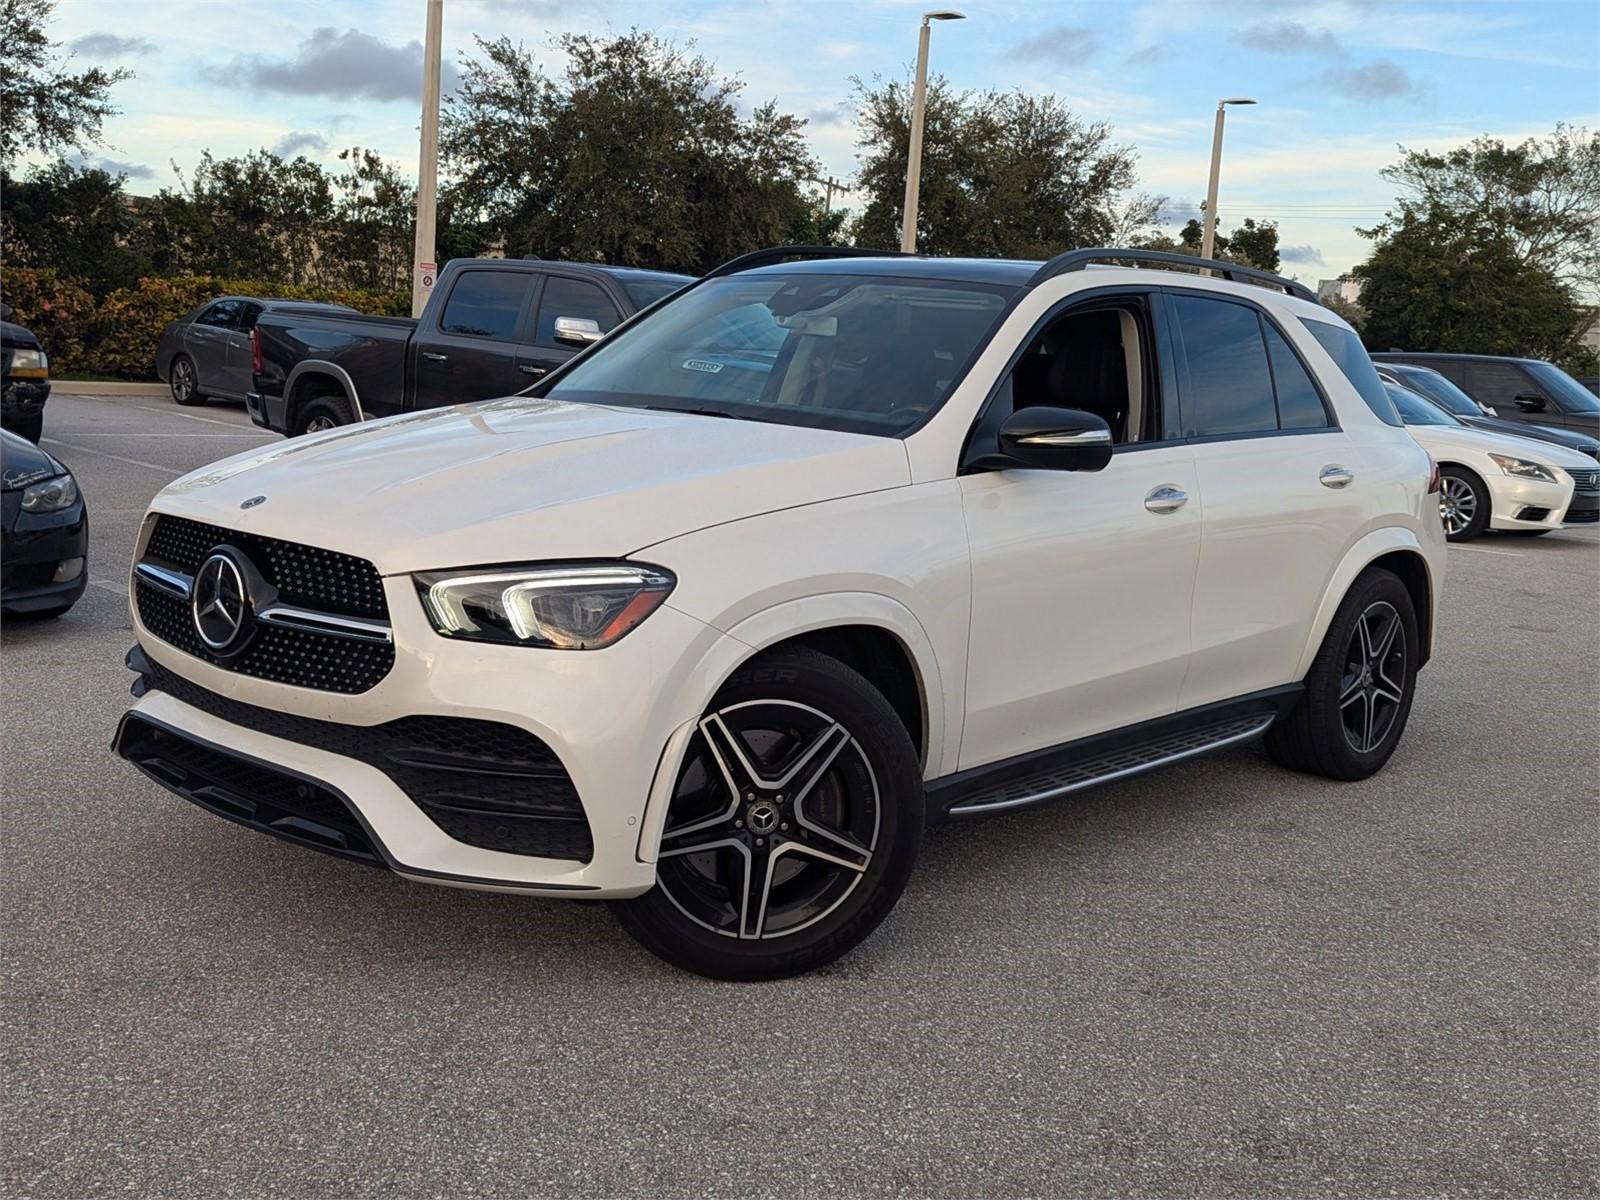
column 1340, row 83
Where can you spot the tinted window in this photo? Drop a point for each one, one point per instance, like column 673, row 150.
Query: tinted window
column 853, row 352
column 1299, row 403
column 1350, row 356
column 1564, row 389
column 1414, row 410
column 247, row 316
column 645, row 290
column 1230, row 387
column 1496, row 383
column 486, row 304
column 1437, row 388
column 564, row 297
column 224, row 314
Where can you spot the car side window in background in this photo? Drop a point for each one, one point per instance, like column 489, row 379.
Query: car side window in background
column 565, row 297
column 1499, row 384
column 1299, row 402
column 1229, row 385
column 486, row 304
column 224, row 314
column 248, row 313
column 1350, row 356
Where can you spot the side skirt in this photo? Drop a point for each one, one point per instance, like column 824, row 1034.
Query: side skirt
column 1043, row 775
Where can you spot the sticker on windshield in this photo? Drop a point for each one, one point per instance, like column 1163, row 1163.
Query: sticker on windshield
column 700, row 364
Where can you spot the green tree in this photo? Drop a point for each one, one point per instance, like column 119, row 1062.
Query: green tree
column 374, row 221
column 44, row 106
column 78, row 223
column 538, row 161
column 1252, row 244
column 1003, row 174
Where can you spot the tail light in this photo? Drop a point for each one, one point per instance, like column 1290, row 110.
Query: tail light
column 1433, row 474
column 255, row 358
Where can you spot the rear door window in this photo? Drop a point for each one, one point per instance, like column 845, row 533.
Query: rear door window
column 568, row 297
column 1229, row 385
column 1300, row 403
column 486, row 304
column 1498, row 384
column 224, row 314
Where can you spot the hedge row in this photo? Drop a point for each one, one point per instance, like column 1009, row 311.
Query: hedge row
column 117, row 336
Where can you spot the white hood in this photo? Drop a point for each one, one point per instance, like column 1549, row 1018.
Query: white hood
column 520, row 480
column 1438, row 439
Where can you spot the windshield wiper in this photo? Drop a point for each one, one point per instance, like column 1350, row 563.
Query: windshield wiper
column 701, row 412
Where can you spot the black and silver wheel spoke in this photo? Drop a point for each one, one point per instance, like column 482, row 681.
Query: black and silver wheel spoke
column 773, row 821
column 1458, row 504
column 1372, row 685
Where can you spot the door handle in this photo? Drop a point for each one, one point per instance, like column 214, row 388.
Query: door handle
column 1166, row 499
column 530, row 369
column 1335, row 476
column 435, row 356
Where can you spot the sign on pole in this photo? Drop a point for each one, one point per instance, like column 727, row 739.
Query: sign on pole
column 426, row 274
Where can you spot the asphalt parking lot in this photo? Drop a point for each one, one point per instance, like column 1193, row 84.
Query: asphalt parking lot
column 1218, row 980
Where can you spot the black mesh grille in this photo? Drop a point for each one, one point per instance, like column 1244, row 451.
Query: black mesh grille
column 278, row 654
column 304, row 575
column 483, row 782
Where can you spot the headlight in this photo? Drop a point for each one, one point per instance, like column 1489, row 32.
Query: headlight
column 30, row 364
column 50, row 496
column 1522, row 468
column 582, row 606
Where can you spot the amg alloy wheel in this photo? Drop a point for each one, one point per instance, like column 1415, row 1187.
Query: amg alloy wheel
column 792, row 827
column 1372, row 687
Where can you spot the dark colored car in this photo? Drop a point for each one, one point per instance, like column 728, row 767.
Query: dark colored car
column 207, row 352
column 491, row 327
column 1517, row 389
column 44, row 532
column 1433, row 386
column 24, row 378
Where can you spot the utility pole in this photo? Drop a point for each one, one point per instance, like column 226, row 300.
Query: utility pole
column 1208, row 240
column 425, row 268
column 919, row 103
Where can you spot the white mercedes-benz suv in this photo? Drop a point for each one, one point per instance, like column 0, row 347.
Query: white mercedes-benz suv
column 715, row 618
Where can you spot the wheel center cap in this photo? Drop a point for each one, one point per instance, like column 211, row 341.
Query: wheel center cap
column 762, row 817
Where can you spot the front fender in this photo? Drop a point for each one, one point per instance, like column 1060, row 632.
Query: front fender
column 1367, row 550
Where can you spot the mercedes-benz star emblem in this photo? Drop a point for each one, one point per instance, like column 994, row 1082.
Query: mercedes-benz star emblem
column 252, row 502
column 220, row 601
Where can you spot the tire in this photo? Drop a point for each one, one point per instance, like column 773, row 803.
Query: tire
column 1463, row 504
column 31, row 428
column 1315, row 736
column 184, row 382
column 322, row 412
column 797, row 867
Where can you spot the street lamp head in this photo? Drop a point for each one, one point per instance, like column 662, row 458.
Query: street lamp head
column 1234, row 100
column 943, row 14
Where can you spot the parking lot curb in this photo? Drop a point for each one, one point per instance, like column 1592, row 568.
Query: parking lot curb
column 86, row 387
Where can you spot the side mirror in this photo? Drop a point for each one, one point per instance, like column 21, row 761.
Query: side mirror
column 1056, row 439
column 1528, row 402
column 577, row 331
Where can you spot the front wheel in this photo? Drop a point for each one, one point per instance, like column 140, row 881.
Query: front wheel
column 1357, row 696
column 185, row 382
column 793, row 827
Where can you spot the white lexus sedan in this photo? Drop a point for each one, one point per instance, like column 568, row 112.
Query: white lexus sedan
column 1494, row 480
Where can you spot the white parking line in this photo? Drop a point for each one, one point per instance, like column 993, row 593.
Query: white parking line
column 1481, row 550
column 132, row 462
column 166, row 412
column 260, row 433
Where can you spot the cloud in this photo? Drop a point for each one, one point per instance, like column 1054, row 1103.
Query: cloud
column 1289, row 37
column 1382, row 79
column 298, row 142
column 347, row 66
column 1148, row 55
column 1061, row 45
column 112, row 166
column 831, row 114
column 1177, row 212
column 109, row 45
column 1309, row 255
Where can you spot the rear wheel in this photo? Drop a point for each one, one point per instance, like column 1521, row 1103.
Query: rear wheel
column 793, row 827
column 323, row 412
column 185, row 382
column 1463, row 504
column 1358, row 692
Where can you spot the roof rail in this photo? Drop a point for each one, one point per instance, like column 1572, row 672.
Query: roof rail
column 776, row 254
column 1077, row 260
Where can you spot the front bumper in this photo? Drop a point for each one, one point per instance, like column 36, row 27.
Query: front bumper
column 44, row 561
column 1527, row 503
column 1584, row 509
column 23, row 398
column 616, row 719
column 266, row 411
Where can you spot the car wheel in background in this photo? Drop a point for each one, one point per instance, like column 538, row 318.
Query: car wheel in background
column 1358, row 693
column 31, row 428
column 322, row 412
column 1463, row 504
column 793, row 828
column 184, row 382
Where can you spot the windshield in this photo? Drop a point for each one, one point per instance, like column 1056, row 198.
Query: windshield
column 1439, row 389
column 1563, row 388
column 1414, row 410
column 861, row 353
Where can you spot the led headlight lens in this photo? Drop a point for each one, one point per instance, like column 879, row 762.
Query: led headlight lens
column 1522, row 468
column 584, row 606
column 50, row 496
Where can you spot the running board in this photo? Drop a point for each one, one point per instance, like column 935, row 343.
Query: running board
column 1106, row 765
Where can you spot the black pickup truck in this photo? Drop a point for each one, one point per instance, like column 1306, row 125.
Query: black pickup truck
column 490, row 328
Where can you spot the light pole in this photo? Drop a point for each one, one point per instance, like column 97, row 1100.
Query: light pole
column 424, row 268
column 1210, row 238
column 919, row 101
